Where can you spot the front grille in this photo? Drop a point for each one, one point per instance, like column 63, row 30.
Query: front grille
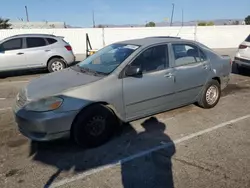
column 21, row 98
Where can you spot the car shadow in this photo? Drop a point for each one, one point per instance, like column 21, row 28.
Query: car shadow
column 138, row 168
column 27, row 72
column 10, row 74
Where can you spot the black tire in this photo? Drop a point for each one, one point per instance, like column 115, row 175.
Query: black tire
column 240, row 69
column 81, row 129
column 52, row 61
column 203, row 102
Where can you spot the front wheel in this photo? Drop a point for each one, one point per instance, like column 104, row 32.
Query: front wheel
column 94, row 126
column 210, row 96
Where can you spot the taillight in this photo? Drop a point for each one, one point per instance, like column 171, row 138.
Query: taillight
column 242, row 46
column 69, row 48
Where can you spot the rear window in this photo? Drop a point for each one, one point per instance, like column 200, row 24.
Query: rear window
column 51, row 41
column 248, row 39
column 33, row 42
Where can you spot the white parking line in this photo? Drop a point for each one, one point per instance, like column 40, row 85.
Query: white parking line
column 4, row 109
column 143, row 153
column 14, row 82
column 243, row 81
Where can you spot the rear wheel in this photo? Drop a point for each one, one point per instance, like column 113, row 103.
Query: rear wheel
column 56, row 64
column 94, row 126
column 210, row 96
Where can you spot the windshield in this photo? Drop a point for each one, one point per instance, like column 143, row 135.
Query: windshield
column 108, row 58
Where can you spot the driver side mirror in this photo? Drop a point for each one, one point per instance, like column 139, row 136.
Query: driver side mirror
column 134, row 71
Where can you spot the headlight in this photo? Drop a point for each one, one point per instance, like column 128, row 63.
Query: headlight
column 44, row 105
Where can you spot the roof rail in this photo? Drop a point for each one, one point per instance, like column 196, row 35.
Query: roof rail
column 164, row 37
column 33, row 34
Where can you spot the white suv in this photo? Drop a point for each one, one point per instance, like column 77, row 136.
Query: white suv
column 35, row 51
column 242, row 58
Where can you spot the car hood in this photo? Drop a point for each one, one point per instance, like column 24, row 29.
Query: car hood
column 57, row 82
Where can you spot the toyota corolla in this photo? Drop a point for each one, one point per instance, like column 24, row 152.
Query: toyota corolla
column 121, row 82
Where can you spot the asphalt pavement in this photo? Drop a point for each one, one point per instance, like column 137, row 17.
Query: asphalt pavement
column 185, row 147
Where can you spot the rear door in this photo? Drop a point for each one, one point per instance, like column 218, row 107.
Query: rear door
column 191, row 71
column 244, row 49
column 12, row 54
column 36, row 51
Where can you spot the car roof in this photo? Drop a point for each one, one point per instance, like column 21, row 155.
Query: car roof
column 31, row 35
column 154, row 40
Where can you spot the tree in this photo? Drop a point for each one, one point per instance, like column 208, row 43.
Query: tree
column 150, row 24
column 202, row 24
column 4, row 23
column 100, row 26
column 210, row 23
column 247, row 20
column 205, row 23
column 236, row 22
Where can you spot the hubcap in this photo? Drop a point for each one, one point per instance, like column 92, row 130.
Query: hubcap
column 56, row 66
column 212, row 95
column 96, row 126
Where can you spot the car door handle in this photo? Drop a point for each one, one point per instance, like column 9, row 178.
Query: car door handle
column 20, row 53
column 205, row 66
column 169, row 75
column 47, row 50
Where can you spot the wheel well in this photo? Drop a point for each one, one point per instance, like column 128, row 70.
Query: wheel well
column 53, row 57
column 217, row 79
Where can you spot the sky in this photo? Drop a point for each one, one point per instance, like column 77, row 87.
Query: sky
column 79, row 12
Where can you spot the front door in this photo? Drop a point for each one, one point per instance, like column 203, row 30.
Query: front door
column 12, row 55
column 153, row 92
column 191, row 71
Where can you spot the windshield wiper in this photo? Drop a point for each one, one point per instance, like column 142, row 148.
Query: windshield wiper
column 85, row 69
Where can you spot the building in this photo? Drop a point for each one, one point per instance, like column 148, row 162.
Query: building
column 36, row 25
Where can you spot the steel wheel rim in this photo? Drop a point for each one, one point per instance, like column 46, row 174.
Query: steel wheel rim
column 96, row 126
column 212, row 94
column 56, row 66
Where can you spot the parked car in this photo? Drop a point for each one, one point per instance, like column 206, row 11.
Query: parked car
column 29, row 51
column 121, row 82
column 242, row 58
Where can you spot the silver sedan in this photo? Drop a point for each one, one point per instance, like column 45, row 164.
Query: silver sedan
column 121, row 82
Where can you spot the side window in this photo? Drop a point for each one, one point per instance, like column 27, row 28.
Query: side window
column 153, row 59
column 51, row 41
column 186, row 54
column 12, row 44
column 33, row 42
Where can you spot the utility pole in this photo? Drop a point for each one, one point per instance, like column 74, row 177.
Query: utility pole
column 172, row 15
column 93, row 18
column 182, row 22
column 27, row 15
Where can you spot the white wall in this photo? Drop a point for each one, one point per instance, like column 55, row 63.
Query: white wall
column 212, row 36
